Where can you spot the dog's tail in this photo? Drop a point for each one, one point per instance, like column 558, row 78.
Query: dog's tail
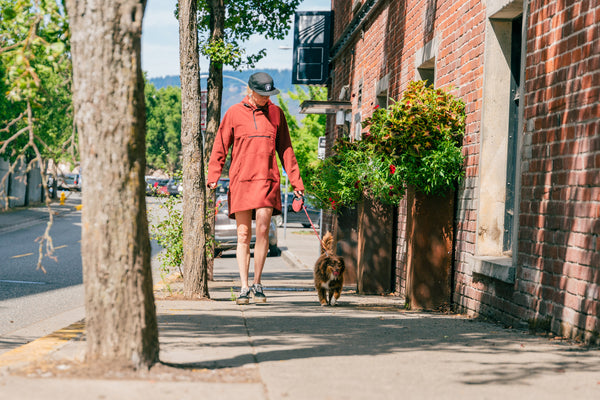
column 328, row 242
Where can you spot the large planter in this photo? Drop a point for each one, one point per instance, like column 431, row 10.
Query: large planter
column 346, row 238
column 376, row 243
column 429, row 251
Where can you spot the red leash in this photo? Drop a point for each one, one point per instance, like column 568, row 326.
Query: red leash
column 294, row 206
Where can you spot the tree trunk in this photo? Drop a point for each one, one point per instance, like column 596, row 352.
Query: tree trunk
column 108, row 96
column 195, row 282
column 214, row 98
column 214, row 94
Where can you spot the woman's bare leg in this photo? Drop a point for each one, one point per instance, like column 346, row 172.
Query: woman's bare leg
column 244, row 234
column 261, row 247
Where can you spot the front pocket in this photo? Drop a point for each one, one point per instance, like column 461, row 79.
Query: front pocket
column 257, row 153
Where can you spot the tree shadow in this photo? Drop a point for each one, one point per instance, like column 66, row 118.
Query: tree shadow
column 295, row 330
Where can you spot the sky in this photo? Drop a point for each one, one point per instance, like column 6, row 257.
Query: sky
column 160, row 40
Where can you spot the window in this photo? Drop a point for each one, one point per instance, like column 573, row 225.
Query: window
column 381, row 92
column 425, row 62
column 499, row 129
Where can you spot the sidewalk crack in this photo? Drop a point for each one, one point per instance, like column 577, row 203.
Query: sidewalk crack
column 254, row 354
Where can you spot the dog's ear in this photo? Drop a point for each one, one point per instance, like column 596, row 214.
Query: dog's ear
column 342, row 264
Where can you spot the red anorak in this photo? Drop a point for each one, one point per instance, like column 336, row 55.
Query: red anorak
column 255, row 135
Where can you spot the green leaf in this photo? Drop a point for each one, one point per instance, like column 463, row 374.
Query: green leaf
column 57, row 48
column 9, row 13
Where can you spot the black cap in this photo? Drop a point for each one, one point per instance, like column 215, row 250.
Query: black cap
column 262, row 83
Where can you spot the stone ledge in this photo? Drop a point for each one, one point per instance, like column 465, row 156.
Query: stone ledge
column 499, row 268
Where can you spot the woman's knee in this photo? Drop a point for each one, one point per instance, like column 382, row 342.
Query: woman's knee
column 244, row 236
column 262, row 230
column 263, row 222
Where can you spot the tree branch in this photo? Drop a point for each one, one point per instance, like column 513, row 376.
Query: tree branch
column 11, row 123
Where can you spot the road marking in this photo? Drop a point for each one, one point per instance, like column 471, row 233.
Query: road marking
column 30, row 254
column 22, row 255
column 26, row 282
column 40, row 347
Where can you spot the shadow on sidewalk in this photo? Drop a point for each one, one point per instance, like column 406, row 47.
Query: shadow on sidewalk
column 295, row 331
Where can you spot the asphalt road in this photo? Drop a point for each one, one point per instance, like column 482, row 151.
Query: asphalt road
column 33, row 302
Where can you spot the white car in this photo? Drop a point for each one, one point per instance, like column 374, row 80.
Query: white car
column 69, row 182
column 226, row 231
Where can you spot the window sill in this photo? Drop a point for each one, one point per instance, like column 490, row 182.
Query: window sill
column 499, row 268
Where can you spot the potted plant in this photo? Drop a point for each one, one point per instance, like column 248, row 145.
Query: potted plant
column 412, row 151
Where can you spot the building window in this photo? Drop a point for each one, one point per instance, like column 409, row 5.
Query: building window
column 513, row 131
column 358, row 116
column 499, row 129
column 381, row 92
column 427, row 72
column 425, row 62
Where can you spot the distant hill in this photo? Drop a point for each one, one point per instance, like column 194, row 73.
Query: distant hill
column 281, row 77
column 234, row 90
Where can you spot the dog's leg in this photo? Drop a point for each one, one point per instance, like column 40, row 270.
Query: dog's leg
column 321, row 294
column 329, row 298
column 336, row 295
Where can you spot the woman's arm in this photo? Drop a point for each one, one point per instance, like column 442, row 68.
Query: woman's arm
column 287, row 156
column 219, row 152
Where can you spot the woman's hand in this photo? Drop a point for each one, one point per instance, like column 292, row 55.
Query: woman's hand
column 212, row 185
column 299, row 193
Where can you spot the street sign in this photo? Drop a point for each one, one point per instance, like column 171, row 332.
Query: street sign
column 312, row 36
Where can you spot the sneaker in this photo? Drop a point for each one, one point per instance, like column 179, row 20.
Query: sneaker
column 259, row 296
column 244, row 296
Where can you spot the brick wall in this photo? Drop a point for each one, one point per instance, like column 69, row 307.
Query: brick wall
column 558, row 275
column 557, row 263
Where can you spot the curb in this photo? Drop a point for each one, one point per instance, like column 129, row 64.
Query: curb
column 42, row 346
column 293, row 260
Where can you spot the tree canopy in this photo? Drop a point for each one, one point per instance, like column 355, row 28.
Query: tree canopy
column 244, row 18
column 163, row 127
column 35, row 74
column 305, row 134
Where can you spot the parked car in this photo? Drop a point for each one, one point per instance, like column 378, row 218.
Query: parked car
column 69, row 182
column 150, row 185
column 300, row 216
column 222, row 186
column 156, row 186
column 175, row 187
column 226, row 230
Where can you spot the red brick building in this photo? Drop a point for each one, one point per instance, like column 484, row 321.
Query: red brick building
column 527, row 216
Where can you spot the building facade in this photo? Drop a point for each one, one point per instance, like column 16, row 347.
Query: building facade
column 526, row 245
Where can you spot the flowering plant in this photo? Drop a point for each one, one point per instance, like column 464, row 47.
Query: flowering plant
column 417, row 141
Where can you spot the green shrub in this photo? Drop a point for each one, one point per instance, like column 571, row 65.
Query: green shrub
column 417, row 141
column 169, row 235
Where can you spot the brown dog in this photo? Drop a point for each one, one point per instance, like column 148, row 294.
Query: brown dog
column 329, row 273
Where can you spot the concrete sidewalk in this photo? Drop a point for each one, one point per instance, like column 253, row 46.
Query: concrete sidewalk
column 368, row 347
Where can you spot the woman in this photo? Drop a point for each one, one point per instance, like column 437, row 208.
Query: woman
column 255, row 129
